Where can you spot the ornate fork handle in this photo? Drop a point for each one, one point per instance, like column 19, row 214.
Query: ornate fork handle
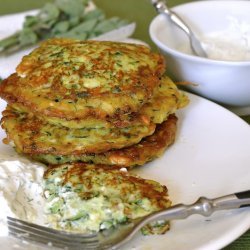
column 203, row 206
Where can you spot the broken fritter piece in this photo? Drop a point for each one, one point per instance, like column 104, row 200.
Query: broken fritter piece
column 89, row 198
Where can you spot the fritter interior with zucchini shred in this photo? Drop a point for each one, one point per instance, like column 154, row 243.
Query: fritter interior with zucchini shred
column 89, row 198
column 91, row 101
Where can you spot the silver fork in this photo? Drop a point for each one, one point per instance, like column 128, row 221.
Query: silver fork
column 117, row 237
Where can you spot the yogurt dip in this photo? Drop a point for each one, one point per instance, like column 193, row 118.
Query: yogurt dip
column 21, row 192
column 231, row 44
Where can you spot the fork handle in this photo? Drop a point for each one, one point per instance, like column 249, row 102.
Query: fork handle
column 237, row 200
column 206, row 207
column 203, row 206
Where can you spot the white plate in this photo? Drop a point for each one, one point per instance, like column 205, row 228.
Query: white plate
column 209, row 158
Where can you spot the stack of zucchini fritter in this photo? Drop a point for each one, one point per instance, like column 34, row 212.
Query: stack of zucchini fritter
column 90, row 101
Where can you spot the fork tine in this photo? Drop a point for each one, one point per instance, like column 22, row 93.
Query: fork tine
column 43, row 241
column 31, row 238
column 51, row 241
column 50, row 232
column 26, row 233
column 48, row 236
column 33, row 232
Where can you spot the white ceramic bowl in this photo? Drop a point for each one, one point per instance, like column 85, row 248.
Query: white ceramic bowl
column 226, row 82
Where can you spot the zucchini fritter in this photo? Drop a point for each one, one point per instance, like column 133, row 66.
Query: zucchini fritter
column 90, row 198
column 34, row 136
column 77, row 79
column 146, row 150
column 166, row 99
column 91, row 101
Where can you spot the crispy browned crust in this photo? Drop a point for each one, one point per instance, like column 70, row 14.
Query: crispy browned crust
column 34, row 136
column 149, row 148
column 166, row 99
column 146, row 150
column 39, row 85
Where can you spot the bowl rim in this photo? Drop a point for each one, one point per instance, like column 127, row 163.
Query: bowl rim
column 190, row 57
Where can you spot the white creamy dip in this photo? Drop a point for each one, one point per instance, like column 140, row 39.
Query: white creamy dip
column 21, row 193
column 231, row 44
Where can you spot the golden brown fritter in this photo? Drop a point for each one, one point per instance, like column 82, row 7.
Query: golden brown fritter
column 87, row 198
column 91, row 101
column 77, row 79
column 166, row 99
column 146, row 150
column 85, row 139
column 34, row 136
